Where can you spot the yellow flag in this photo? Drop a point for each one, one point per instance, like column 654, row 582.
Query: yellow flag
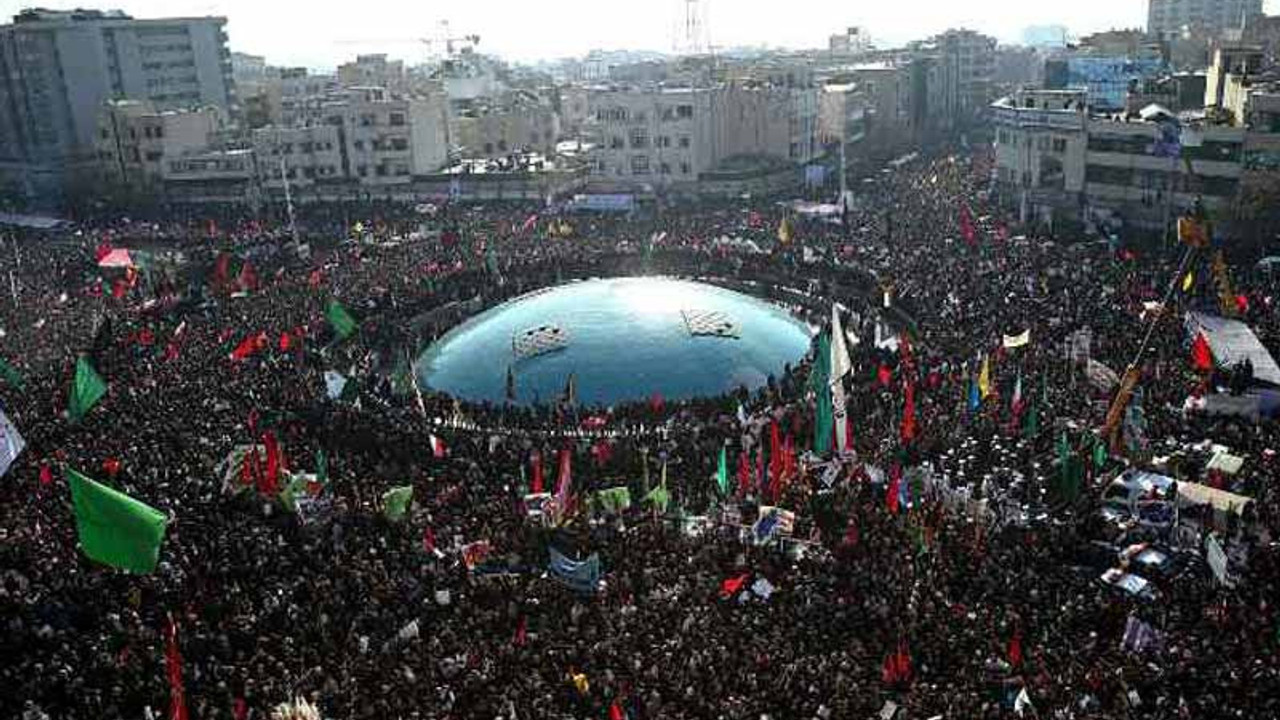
column 984, row 378
column 784, row 231
column 580, row 682
column 1188, row 281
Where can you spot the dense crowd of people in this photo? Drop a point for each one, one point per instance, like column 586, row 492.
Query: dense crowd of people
column 941, row 613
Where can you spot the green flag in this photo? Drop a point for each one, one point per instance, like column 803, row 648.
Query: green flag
column 86, row 390
column 491, row 261
column 114, row 528
column 1070, row 469
column 1100, row 454
column 659, row 497
column 322, row 467
column 343, row 324
column 614, row 500
column 11, row 375
column 722, row 472
column 395, row 503
column 1031, row 423
column 819, row 383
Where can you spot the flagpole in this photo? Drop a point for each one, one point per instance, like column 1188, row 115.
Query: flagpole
column 413, row 376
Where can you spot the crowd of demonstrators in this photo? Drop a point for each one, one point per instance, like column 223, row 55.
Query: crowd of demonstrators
column 937, row 612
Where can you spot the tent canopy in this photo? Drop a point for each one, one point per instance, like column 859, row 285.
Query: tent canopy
column 1190, row 493
column 1232, row 342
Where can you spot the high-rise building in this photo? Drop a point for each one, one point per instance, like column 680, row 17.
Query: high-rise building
column 58, row 68
column 1170, row 18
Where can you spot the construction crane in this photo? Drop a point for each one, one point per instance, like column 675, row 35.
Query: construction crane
column 442, row 39
column 1195, row 232
column 447, row 40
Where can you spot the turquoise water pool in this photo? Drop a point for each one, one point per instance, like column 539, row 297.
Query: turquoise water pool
column 622, row 339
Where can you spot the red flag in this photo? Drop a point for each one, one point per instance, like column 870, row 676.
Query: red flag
column 429, row 540
column 535, row 459
column 111, row 466
column 656, row 403
column 884, row 376
column 966, row 226
column 522, row 632
column 249, row 346
column 851, row 532
column 173, row 668
column 119, row 288
column 249, row 467
column 732, row 586
column 1201, row 355
column 564, row 484
column 286, row 341
column 240, row 709
column 315, row 279
column 270, row 481
column 46, row 474
column 889, row 671
column 909, row 413
column 1015, row 649
column 775, row 458
column 615, row 711
column 902, row 662
column 170, row 352
column 248, row 279
column 104, row 249
column 891, row 496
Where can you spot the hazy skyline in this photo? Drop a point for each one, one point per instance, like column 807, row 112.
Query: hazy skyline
column 321, row 36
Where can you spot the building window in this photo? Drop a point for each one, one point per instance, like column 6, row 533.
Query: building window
column 639, row 139
column 502, row 146
column 1059, row 145
column 399, row 144
column 381, row 171
column 662, row 141
column 684, row 112
column 154, row 156
column 397, row 119
column 684, row 168
column 402, row 170
column 664, row 169
column 363, row 171
column 684, row 141
column 616, row 143
column 639, row 164
column 488, row 148
column 358, row 144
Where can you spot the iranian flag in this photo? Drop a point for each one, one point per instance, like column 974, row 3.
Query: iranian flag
column 438, row 448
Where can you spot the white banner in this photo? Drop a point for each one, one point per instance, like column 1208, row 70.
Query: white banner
column 11, row 443
column 1217, row 559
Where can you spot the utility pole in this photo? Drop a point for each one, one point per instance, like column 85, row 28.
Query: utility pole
column 288, row 204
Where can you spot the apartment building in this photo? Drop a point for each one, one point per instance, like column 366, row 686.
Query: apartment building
column 1171, row 18
column 1056, row 162
column 135, row 142
column 651, row 136
column 58, row 68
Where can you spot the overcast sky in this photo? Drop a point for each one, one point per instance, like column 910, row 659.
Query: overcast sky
column 321, row 34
